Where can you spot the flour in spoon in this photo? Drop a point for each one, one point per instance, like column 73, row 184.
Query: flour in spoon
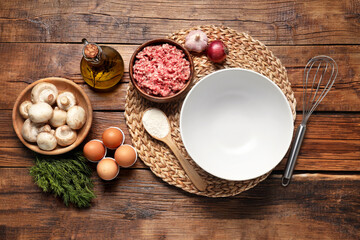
column 156, row 123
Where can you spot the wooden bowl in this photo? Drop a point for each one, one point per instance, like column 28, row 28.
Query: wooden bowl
column 159, row 99
column 62, row 85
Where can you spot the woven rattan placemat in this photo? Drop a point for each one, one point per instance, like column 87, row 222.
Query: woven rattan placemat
column 244, row 52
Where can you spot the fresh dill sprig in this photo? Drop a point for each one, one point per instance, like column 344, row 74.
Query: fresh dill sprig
column 66, row 176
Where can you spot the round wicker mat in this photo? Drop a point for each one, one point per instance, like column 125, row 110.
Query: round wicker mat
column 244, row 52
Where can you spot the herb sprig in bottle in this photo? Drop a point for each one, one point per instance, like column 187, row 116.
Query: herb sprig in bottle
column 102, row 67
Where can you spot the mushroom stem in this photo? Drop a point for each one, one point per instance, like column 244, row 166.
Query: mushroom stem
column 51, row 98
column 64, row 101
column 65, row 136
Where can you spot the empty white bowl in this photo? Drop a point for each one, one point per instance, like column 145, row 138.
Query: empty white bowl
column 236, row 124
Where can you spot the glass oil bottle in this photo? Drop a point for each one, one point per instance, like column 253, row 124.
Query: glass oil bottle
column 102, row 67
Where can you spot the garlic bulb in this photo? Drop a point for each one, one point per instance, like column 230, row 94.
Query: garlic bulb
column 196, row 41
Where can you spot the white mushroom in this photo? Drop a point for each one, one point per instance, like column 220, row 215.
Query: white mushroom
column 24, row 109
column 76, row 117
column 46, row 141
column 40, row 112
column 46, row 128
column 58, row 118
column 44, row 92
column 30, row 130
column 66, row 100
column 65, row 136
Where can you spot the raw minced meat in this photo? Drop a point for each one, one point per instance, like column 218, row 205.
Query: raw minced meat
column 161, row 70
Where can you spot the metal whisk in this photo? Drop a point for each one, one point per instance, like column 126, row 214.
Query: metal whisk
column 323, row 71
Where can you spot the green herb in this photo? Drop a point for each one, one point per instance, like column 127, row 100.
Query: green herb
column 66, row 176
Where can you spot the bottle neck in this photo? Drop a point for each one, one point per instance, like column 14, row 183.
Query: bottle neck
column 92, row 53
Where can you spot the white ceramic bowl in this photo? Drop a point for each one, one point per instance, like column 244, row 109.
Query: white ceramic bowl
column 236, row 124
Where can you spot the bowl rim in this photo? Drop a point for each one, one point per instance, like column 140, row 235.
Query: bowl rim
column 289, row 113
column 56, row 151
column 154, row 42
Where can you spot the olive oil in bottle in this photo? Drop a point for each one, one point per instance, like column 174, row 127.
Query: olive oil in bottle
column 102, row 67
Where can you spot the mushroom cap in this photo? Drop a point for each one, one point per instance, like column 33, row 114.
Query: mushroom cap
column 45, row 128
column 66, row 100
column 58, row 118
column 24, row 109
column 30, row 130
column 44, row 92
column 65, row 136
column 76, row 117
column 40, row 112
column 46, row 141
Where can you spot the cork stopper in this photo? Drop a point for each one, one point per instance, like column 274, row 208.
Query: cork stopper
column 91, row 50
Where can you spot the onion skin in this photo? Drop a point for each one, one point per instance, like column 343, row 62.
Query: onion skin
column 217, row 51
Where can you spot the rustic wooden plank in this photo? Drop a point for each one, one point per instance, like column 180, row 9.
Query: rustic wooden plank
column 281, row 22
column 63, row 60
column 138, row 205
column 347, row 85
column 332, row 141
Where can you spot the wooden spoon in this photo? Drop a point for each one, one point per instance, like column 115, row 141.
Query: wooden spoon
column 157, row 125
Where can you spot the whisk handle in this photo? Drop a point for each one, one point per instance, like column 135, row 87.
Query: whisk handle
column 294, row 152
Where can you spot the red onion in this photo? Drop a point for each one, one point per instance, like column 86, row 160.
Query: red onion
column 217, row 51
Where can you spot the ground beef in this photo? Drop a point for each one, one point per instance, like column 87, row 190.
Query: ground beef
column 161, row 70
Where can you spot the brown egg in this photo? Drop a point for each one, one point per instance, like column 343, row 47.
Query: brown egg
column 125, row 156
column 107, row 169
column 113, row 137
column 94, row 150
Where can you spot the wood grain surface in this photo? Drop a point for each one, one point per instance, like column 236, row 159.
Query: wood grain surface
column 63, row 60
column 137, row 204
column 273, row 22
column 43, row 38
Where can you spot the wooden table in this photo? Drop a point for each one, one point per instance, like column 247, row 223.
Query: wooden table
column 43, row 38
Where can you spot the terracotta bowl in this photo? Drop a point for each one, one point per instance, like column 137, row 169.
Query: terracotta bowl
column 62, row 85
column 159, row 99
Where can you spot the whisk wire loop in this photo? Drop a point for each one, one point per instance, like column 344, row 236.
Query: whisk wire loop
column 313, row 93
